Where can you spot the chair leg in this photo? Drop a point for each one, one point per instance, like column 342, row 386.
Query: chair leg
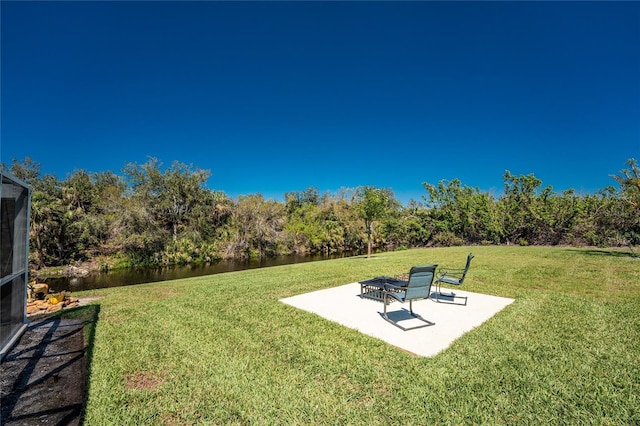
column 427, row 322
column 384, row 302
column 438, row 291
column 453, row 296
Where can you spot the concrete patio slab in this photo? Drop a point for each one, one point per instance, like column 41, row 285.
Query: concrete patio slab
column 344, row 305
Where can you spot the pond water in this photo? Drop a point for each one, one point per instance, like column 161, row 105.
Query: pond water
column 132, row 276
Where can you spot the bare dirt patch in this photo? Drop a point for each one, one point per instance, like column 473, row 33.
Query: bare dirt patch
column 143, row 381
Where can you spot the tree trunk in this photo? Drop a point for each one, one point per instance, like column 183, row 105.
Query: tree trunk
column 40, row 251
column 370, row 225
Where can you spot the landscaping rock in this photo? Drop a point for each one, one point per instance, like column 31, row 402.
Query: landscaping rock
column 52, row 303
column 74, row 271
column 54, row 308
column 38, row 291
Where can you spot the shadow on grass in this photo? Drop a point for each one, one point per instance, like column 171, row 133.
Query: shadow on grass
column 45, row 376
column 606, row 252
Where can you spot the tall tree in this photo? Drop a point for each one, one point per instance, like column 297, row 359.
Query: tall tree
column 52, row 237
column 27, row 170
column 258, row 225
column 460, row 213
column 629, row 182
column 171, row 194
column 414, row 227
column 297, row 199
column 518, row 207
column 371, row 205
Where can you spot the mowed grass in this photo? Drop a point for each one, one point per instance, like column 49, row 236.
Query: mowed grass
column 222, row 349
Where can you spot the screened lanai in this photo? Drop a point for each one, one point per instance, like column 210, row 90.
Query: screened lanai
column 14, row 246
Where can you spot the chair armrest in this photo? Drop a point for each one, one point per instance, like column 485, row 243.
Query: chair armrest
column 456, row 272
column 396, row 295
column 392, row 287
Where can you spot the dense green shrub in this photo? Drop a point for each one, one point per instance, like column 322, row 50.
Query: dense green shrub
column 153, row 216
column 447, row 239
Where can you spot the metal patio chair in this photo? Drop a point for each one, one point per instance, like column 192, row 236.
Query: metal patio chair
column 418, row 286
column 455, row 277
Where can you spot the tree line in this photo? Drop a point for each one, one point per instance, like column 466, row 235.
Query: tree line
column 155, row 215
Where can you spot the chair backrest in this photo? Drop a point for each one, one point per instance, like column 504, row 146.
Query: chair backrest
column 466, row 268
column 420, row 280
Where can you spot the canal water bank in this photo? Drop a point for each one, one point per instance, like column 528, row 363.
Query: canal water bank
column 133, row 276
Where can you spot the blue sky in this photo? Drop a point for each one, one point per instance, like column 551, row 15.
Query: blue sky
column 273, row 97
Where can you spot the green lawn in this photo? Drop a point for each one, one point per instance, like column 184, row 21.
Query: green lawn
column 222, row 349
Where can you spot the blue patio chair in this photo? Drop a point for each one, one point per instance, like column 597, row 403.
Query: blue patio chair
column 418, row 286
column 455, row 277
